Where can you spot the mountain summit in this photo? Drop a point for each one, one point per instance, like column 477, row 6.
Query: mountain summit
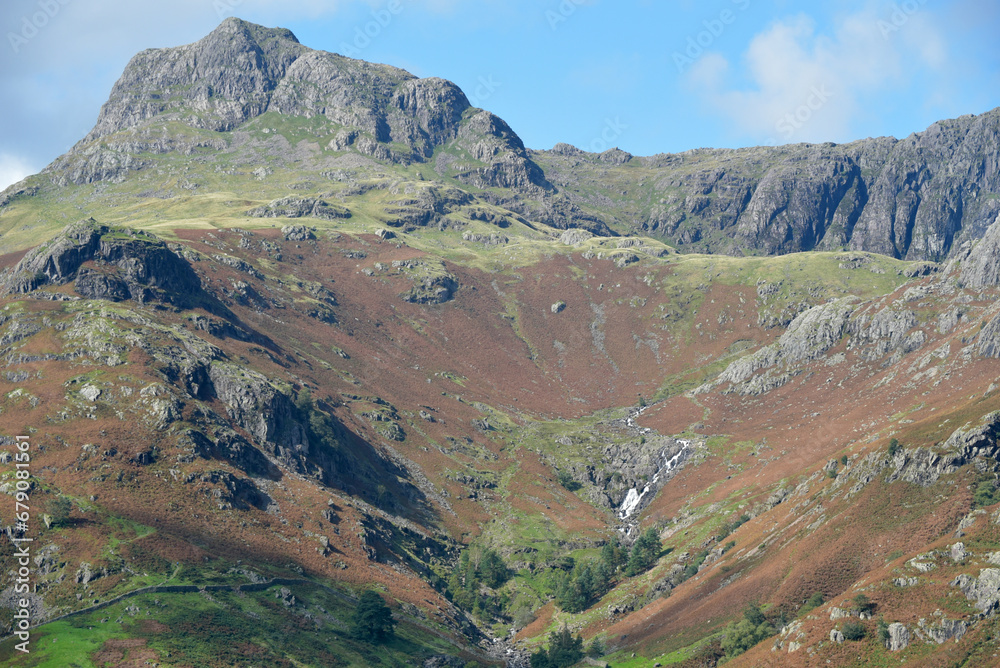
column 242, row 71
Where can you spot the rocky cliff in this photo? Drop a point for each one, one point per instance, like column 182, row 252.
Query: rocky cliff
column 915, row 198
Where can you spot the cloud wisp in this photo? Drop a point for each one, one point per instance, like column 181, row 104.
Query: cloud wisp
column 805, row 85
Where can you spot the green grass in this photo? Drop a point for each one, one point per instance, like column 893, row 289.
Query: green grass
column 226, row 629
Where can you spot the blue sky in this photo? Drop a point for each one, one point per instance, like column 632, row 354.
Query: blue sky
column 649, row 77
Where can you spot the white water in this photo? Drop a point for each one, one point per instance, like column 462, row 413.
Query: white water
column 634, row 497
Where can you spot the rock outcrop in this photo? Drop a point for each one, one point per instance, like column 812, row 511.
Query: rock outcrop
column 808, row 337
column 124, row 264
column 918, row 198
column 983, row 592
column 899, row 637
column 298, row 207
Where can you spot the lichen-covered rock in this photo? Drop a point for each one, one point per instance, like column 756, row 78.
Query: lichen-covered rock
column 899, row 637
column 486, row 240
column 942, row 630
column 299, row 207
column 432, row 289
column 888, row 330
column 978, row 441
column 988, row 343
column 575, row 237
column 814, row 332
column 983, row 592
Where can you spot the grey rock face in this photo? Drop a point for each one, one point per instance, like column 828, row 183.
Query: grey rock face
column 988, row 343
column 899, row 637
column 918, row 198
column 231, row 491
column 983, row 592
column 298, row 207
column 297, row 233
column 241, row 71
column 943, row 630
column 982, row 268
column 808, row 337
column 886, row 331
column 133, row 266
column 432, row 290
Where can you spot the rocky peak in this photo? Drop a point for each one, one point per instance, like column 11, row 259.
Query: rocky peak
column 241, row 71
column 218, row 82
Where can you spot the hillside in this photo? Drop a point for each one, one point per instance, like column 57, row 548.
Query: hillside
column 286, row 327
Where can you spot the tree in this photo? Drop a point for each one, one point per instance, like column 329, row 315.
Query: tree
column 372, row 621
column 493, row 569
column 613, row 556
column 596, row 649
column 564, row 650
column 565, row 479
column 645, row 552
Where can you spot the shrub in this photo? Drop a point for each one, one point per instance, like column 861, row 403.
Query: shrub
column 61, row 508
column 744, row 634
column 863, row 604
column 812, row 603
column 986, row 494
column 883, row 631
column 566, row 480
column 894, row 447
column 854, row 630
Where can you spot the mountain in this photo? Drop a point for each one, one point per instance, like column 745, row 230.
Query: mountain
column 919, row 198
column 287, row 327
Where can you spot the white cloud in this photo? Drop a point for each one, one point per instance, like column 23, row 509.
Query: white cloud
column 13, row 169
column 806, row 86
